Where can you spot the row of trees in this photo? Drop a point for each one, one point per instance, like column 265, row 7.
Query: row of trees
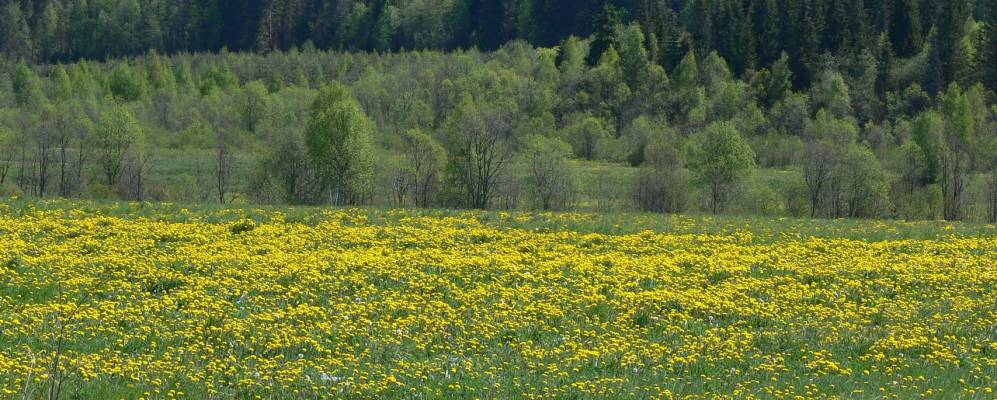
column 749, row 34
column 518, row 127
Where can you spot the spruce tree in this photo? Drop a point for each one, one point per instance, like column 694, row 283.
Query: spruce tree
column 950, row 23
column 905, row 27
column 605, row 26
column 986, row 60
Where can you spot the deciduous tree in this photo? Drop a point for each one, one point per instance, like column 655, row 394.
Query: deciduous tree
column 720, row 158
column 339, row 138
column 117, row 132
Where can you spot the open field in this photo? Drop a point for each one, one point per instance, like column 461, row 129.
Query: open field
column 160, row 301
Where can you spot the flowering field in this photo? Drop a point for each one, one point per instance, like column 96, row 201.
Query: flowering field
column 160, row 303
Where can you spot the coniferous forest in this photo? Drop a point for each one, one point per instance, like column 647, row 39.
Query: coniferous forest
column 810, row 108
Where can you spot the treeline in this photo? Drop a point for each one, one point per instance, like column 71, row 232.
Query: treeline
column 520, row 127
column 749, row 34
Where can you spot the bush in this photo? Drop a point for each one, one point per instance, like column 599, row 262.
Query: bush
column 550, row 180
column 9, row 189
column 797, row 198
column 757, row 197
column 777, row 151
column 662, row 190
column 662, row 184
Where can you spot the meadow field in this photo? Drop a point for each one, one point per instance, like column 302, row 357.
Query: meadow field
column 160, row 301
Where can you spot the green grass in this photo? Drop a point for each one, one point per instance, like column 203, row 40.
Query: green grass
column 763, row 228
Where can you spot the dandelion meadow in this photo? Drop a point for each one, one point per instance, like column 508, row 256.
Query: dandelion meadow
column 162, row 302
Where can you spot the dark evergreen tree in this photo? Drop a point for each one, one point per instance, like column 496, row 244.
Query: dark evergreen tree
column 950, row 22
column 986, row 67
column 905, row 27
column 605, row 26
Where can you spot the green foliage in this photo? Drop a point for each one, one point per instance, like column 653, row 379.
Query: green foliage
column 827, row 127
column 184, row 77
column 928, row 136
column 662, row 184
column 720, row 158
column 218, row 77
column 286, row 176
column 774, row 150
column 986, row 47
column 665, row 150
column 27, row 87
column 865, row 101
column 634, row 61
column 15, row 42
column 746, row 33
column 585, row 135
column 831, row 94
column 572, row 60
column 791, row 116
column 63, row 86
column 161, row 74
column 959, row 135
column 116, row 133
column 959, row 121
column 606, row 22
column 339, row 138
column 425, row 159
column 779, row 82
column 549, row 178
column 715, row 73
column 126, row 84
column 253, row 105
column 636, row 137
column 8, row 141
column 687, row 72
column 728, row 100
column 480, row 142
column 864, row 183
column 329, row 95
column 913, row 195
column 478, row 108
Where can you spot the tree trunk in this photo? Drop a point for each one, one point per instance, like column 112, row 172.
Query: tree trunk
column 63, row 163
column 952, row 187
column 715, row 194
column 993, row 197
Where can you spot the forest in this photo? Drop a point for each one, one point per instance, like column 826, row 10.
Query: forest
column 830, row 109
